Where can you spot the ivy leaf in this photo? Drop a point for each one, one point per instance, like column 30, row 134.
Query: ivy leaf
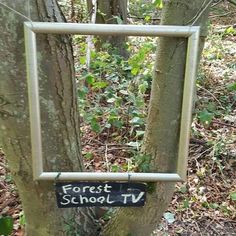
column 205, row 117
column 233, row 196
column 100, row 84
column 95, row 125
column 158, row 3
column 111, row 100
column 90, row 79
column 170, row 217
column 6, row 225
column 232, row 87
column 139, row 133
column 124, row 92
column 118, row 20
column 133, row 144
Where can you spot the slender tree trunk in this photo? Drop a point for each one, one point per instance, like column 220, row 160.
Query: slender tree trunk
column 60, row 123
column 111, row 12
column 162, row 131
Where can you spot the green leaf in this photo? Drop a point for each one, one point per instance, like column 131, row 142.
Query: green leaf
column 133, row 144
column 139, row 133
column 124, row 92
column 232, row 87
column 213, row 205
column 158, row 3
column 143, row 162
column 82, row 60
column 143, row 87
column 147, row 18
column 6, row 225
column 186, row 203
column 90, row 79
column 100, row 84
column 183, row 189
column 95, row 126
column 111, row 100
column 114, row 168
column 233, row 196
column 118, row 20
column 83, row 92
column 230, row 31
column 117, row 123
column 108, row 125
column 136, row 120
column 135, row 71
column 22, row 219
column 205, row 117
column 88, row 155
column 170, row 217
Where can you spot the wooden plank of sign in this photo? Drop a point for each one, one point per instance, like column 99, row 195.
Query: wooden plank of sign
column 82, row 194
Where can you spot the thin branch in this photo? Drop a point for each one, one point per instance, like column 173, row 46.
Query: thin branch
column 90, row 37
column 211, row 95
column 106, row 159
column 225, row 14
column 142, row 18
column 232, row 2
column 200, row 12
column 215, row 4
column 203, row 10
column 196, row 15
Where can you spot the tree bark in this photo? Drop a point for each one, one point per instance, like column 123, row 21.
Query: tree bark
column 163, row 122
column 60, row 122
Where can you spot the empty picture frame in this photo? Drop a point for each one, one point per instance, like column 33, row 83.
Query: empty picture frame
column 189, row 32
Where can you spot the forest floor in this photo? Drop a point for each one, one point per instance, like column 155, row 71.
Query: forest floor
column 206, row 203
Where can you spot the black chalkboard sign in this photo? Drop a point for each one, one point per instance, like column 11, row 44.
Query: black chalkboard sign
column 100, row 194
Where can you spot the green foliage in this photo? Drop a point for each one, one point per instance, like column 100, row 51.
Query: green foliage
column 145, row 10
column 113, row 93
column 151, row 187
column 107, row 216
column 6, row 225
column 22, row 219
column 158, row 3
column 143, row 162
column 88, row 155
column 170, row 217
column 137, row 61
column 8, row 178
column 186, row 203
column 230, row 31
column 233, row 196
column 205, row 116
column 231, row 87
column 71, row 228
column 115, row 168
column 183, row 189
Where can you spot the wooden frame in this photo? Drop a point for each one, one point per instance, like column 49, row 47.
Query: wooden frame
column 189, row 32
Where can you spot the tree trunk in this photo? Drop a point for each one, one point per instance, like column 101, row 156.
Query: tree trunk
column 60, row 122
column 162, row 130
column 111, row 12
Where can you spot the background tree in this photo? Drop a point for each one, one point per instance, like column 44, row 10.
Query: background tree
column 60, row 120
column 111, row 12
